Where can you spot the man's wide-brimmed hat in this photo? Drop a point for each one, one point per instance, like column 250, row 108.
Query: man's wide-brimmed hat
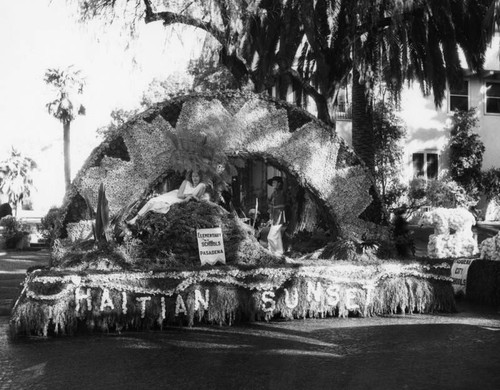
column 252, row 212
column 279, row 179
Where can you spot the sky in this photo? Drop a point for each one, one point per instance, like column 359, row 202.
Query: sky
column 39, row 34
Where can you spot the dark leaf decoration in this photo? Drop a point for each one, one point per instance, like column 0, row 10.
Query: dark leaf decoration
column 102, row 217
column 201, row 153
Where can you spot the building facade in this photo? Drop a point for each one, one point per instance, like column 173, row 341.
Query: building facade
column 428, row 126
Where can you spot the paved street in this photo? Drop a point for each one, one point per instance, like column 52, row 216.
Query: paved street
column 13, row 266
column 457, row 351
column 448, row 351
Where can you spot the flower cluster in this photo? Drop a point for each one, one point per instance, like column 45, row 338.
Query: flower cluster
column 490, row 248
column 79, row 231
column 441, row 246
column 443, row 219
column 442, row 243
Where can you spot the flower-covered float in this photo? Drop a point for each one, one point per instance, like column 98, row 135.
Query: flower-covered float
column 150, row 275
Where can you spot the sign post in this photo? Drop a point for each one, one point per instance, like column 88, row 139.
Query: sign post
column 211, row 246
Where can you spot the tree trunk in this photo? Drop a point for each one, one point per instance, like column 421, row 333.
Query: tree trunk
column 67, row 159
column 363, row 143
column 323, row 111
column 362, row 123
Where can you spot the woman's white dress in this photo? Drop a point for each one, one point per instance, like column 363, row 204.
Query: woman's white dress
column 161, row 203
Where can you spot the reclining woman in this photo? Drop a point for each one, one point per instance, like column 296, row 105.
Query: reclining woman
column 191, row 188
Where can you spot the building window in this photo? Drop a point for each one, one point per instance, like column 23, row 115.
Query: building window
column 290, row 95
column 342, row 105
column 343, row 99
column 493, row 98
column 459, row 97
column 425, row 165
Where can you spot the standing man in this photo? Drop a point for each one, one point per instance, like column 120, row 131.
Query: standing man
column 276, row 200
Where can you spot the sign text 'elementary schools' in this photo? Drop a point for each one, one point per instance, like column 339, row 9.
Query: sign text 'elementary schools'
column 211, row 246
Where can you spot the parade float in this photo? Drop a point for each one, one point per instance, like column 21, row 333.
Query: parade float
column 109, row 276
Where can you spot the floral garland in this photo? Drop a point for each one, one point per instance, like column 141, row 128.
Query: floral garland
column 122, row 299
column 126, row 282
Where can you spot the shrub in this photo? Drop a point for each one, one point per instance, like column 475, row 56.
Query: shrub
column 466, row 151
column 450, row 194
column 52, row 225
column 388, row 132
column 14, row 231
column 442, row 192
column 491, row 183
column 131, row 249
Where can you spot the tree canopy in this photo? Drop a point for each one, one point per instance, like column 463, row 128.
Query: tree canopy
column 17, row 180
column 313, row 45
column 66, row 83
column 318, row 47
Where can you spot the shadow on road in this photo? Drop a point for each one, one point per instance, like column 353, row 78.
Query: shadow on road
column 13, row 266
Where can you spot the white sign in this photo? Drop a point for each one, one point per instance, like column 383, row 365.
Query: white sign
column 459, row 271
column 211, row 246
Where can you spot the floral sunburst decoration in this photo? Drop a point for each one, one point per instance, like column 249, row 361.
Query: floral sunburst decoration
column 200, row 152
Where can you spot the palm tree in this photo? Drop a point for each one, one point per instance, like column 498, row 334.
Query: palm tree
column 17, row 180
column 67, row 83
